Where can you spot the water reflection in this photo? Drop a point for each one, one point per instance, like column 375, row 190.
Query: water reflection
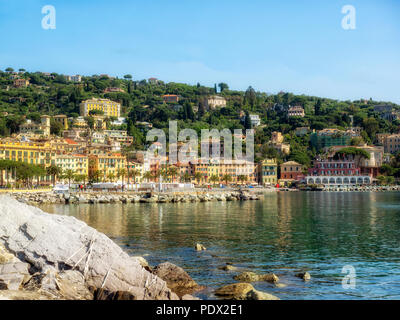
column 282, row 233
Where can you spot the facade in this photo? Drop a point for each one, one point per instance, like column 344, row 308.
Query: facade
column 336, row 173
column 78, row 163
column 42, row 128
column 21, row 83
column 329, row 138
column 109, row 108
column 113, row 89
column 254, row 119
column 296, row 111
column 291, row 171
column 391, row 143
column 171, row 98
column 107, row 164
column 63, row 120
column 214, row 102
column 277, row 137
column 76, row 78
column 268, row 172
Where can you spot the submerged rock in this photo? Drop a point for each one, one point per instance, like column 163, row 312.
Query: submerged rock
column 200, row 247
column 253, row 277
column 304, row 275
column 228, row 267
column 176, row 278
column 243, row 291
column 61, row 243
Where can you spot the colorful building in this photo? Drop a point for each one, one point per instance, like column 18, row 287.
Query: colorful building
column 108, row 107
column 268, row 172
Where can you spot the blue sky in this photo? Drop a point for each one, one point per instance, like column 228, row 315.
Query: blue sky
column 290, row 45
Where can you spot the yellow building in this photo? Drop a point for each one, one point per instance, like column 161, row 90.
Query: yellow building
column 106, row 165
column 32, row 153
column 110, row 108
column 62, row 118
column 76, row 162
column 268, row 172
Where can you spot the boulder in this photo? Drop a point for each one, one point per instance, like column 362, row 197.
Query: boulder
column 13, row 274
column 199, row 247
column 64, row 243
column 101, row 294
column 304, row 275
column 252, row 277
column 243, row 291
column 176, row 278
column 228, row 268
column 236, row 291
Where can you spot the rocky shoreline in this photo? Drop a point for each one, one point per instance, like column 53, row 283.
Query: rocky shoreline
column 50, row 257
column 36, row 198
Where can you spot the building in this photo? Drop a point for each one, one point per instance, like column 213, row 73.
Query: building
column 214, row 102
column 108, row 107
column 383, row 108
column 369, row 166
column 296, row 111
column 108, row 166
column 268, row 172
column 282, row 148
column 135, row 171
column 21, row 83
column 392, row 144
column 63, row 120
column 113, row 89
column 42, row 128
column 302, row 131
column 276, row 137
column 120, row 136
column 254, row 119
column 327, row 138
column 153, row 80
column 171, row 98
column 336, row 173
column 291, row 171
column 76, row 78
column 78, row 163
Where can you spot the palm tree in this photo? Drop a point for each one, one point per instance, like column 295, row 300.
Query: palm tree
column 186, row 177
column 147, row 175
column 173, row 171
column 227, row 178
column 214, row 178
column 134, row 173
column 69, row 174
column 242, row 178
column 111, row 176
column 198, row 176
column 121, row 173
column 53, row 171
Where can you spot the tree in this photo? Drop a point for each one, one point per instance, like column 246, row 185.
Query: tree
column 371, row 126
column 111, row 176
column 148, row 176
column 247, row 121
column 223, row 86
column 172, row 172
column 227, row 178
column 121, row 173
column 53, row 171
column 250, row 96
column 9, row 69
column 69, row 175
column 128, row 77
column 317, row 108
column 188, row 111
column 56, row 127
column 214, row 178
column 198, row 176
column 134, row 173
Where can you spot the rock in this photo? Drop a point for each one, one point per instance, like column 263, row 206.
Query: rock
column 63, row 243
column 228, row 268
column 259, row 295
column 101, row 294
column 5, row 256
column 304, row 275
column 280, row 285
column 23, row 295
column 200, row 247
column 243, row 291
column 13, row 274
column 143, row 262
column 189, row 297
column 236, row 291
column 176, row 278
column 252, row 277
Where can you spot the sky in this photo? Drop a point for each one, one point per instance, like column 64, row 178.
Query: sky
column 294, row 46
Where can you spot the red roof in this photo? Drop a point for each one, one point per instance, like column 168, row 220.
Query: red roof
column 70, row 141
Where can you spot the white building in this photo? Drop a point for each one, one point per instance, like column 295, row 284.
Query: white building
column 339, row 180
